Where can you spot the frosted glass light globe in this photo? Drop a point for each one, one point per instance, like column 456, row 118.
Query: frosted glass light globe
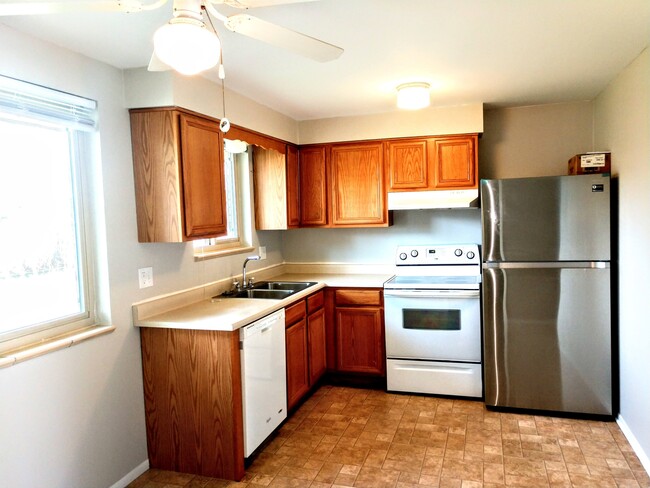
column 413, row 96
column 187, row 46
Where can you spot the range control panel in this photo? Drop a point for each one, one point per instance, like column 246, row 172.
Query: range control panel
column 438, row 255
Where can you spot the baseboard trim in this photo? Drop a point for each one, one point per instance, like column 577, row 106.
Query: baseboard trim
column 636, row 445
column 132, row 475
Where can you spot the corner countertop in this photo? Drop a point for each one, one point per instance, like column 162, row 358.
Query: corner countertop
column 229, row 314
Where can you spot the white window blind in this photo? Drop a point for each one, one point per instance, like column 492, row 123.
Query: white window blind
column 27, row 99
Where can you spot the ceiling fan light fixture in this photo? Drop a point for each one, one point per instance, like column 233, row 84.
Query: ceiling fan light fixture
column 413, row 96
column 187, row 45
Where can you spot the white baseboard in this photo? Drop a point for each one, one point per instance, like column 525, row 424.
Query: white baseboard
column 132, row 475
column 636, row 445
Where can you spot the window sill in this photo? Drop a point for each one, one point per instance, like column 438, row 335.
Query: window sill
column 15, row 356
column 200, row 256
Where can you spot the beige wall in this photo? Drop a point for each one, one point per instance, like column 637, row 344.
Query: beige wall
column 461, row 119
column 534, row 141
column 622, row 114
column 159, row 89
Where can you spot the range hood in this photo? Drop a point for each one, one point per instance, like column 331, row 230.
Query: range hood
column 414, row 200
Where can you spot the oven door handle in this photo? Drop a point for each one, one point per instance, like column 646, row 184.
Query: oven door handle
column 432, row 293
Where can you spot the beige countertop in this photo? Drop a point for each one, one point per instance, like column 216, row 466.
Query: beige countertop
column 229, row 314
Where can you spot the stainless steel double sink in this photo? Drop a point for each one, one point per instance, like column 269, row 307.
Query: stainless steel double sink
column 276, row 290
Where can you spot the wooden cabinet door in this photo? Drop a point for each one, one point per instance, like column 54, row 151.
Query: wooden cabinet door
column 408, row 167
column 357, row 196
column 297, row 366
column 456, row 162
column 316, row 345
column 293, row 188
column 204, row 196
column 313, row 186
column 360, row 341
column 270, row 183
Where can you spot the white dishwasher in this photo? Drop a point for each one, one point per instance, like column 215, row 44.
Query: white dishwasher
column 264, row 378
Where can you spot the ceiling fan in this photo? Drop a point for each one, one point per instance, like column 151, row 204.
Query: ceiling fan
column 186, row 36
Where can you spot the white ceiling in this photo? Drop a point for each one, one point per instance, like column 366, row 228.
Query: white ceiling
column 499, row 52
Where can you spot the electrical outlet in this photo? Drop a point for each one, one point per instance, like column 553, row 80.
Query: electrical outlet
column 262, row 252
column 145, row 276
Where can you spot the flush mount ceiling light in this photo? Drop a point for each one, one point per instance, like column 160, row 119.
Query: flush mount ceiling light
column 185, row 43
column 412, row 96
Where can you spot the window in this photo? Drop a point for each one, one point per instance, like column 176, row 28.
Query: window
column 46, row 256
column 238, row 206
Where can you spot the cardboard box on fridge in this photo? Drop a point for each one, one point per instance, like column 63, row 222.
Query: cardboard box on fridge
column 590, row 163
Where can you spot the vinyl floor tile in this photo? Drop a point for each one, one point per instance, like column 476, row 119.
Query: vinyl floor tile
column 345, row 437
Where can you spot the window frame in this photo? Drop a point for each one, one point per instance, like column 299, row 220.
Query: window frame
column 36, row 105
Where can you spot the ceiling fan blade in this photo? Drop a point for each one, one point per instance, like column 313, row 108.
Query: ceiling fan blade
column 261, row 3
column 155, row 64
column 281, row 37
column 42, row 8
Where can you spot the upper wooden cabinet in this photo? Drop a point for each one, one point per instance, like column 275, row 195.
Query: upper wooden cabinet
column 357, row 196
column 276, row 188
column 407, row 165
column 342, row 185
column 430, row 163
column 179, row 175
column 313, row 186
column 456, row 162
column 293, row 188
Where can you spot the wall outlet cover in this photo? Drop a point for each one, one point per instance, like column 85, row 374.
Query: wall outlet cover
column 145, row 277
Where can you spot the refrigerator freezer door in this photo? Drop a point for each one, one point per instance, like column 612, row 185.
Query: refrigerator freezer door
column 559, row 218
column 547, row 338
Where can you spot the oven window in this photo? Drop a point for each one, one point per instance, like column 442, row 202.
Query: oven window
column 427, row 319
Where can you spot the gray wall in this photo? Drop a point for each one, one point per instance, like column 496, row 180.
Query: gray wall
column 534, row 141
column 377, row 245
column 623, row 126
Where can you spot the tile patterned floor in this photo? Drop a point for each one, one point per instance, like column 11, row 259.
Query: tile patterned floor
column 347, row 437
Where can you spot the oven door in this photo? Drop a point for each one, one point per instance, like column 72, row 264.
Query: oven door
column 442, row 325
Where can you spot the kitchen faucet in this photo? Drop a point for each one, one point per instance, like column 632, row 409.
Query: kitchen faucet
column 243, row 274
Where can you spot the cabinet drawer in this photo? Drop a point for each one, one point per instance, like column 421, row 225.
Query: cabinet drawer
column 358, row 297
column 315, row 301
column 294, row 313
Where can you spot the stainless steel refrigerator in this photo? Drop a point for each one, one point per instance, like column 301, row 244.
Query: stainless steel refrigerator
column 547, row 320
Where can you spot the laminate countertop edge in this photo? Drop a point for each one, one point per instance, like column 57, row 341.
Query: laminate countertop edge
column 230, row 314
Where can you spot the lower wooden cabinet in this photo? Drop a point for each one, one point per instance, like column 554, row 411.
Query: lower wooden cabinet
column 297, row 362
column 305, row 346
column 360, row 347
column 356, row 331
column 193, row 401
column 316, row 345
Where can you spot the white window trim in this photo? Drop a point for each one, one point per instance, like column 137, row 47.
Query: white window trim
column 34, row 102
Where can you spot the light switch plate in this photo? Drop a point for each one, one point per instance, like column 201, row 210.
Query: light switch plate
column 145, row 277
column 262, row 252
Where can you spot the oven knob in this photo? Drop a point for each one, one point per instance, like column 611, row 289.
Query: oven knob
column 470, row 255
column 402, row 256
column 458, row 252
column 414, row 253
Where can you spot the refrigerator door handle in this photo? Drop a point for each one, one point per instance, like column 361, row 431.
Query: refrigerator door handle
column 556, row 264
